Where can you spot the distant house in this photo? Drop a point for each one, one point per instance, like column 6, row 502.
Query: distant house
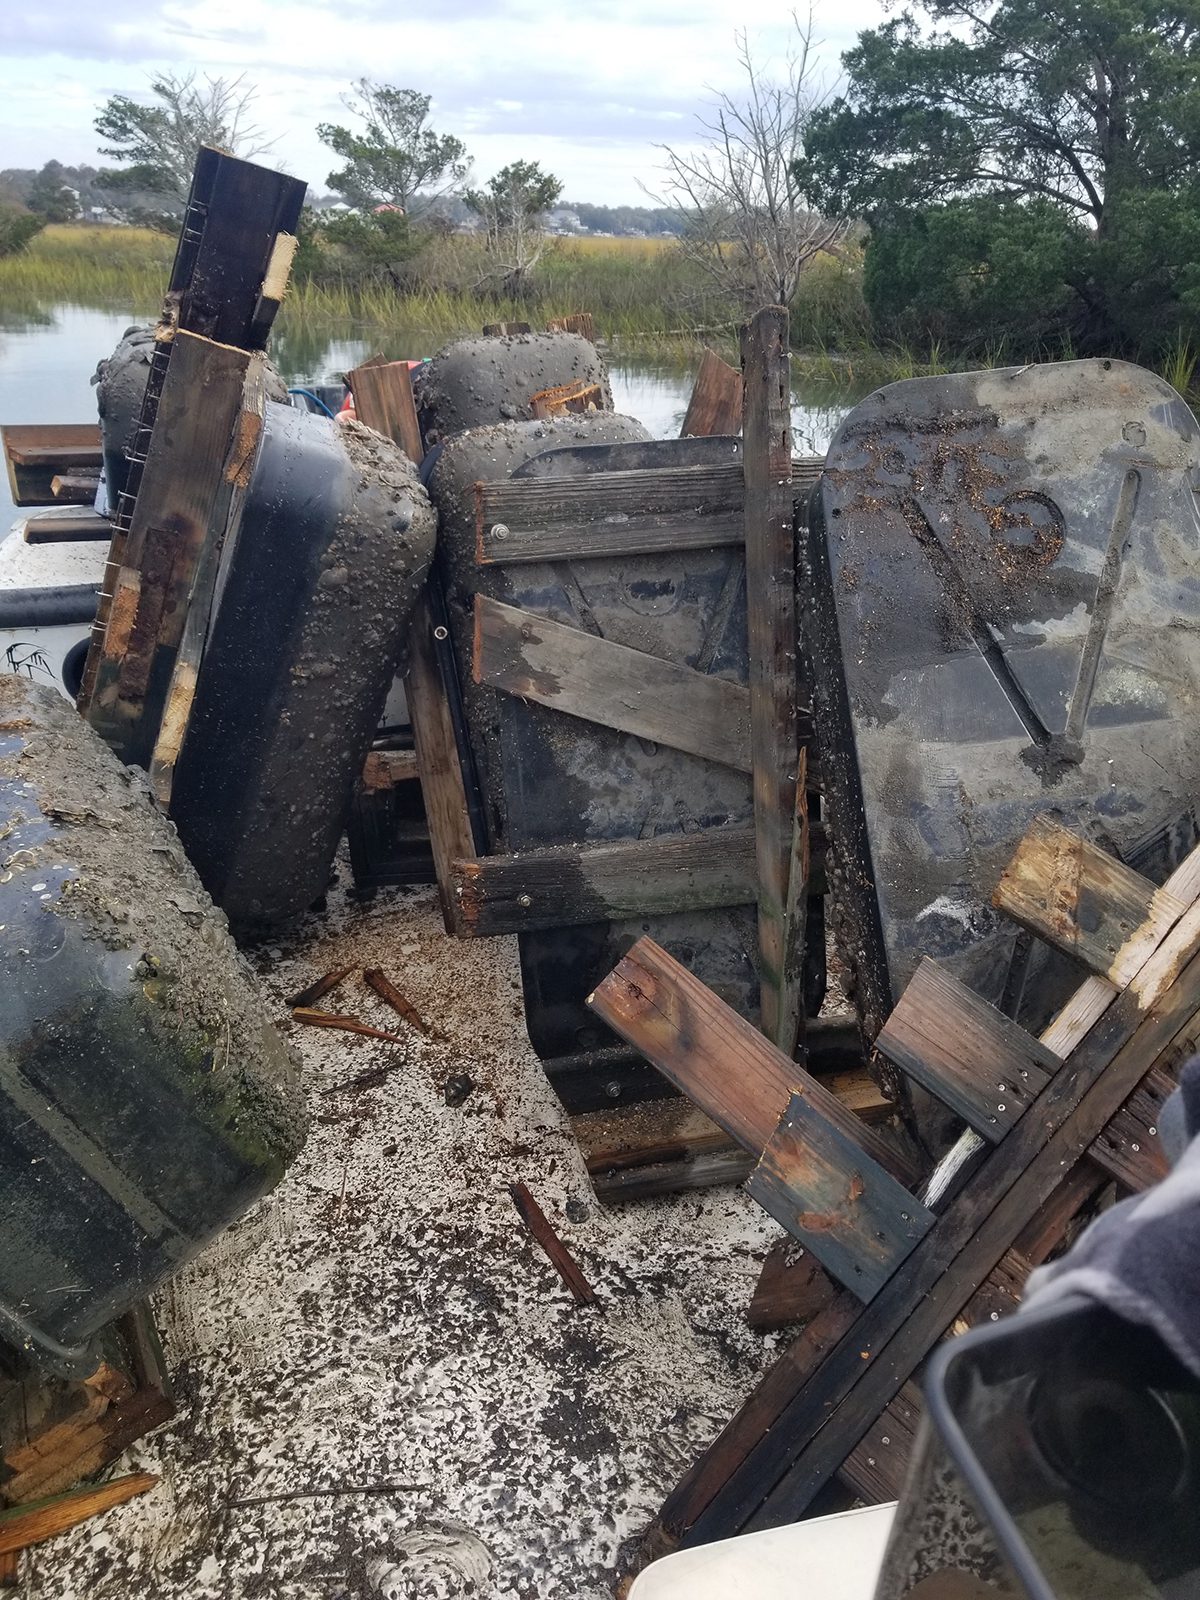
column 563, row 221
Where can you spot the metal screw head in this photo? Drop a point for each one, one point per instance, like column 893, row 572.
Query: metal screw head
column 499, row 530
column 613, row 1090
column 525, row 900
column 441, row 632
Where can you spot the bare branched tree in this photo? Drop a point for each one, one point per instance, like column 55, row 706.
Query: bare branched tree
column 745, row 221
column 512, row 210
column 156, row 144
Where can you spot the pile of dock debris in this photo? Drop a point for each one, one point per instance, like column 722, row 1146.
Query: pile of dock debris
column 701, row 723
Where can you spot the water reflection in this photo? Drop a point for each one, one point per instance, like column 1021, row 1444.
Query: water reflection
column 48, row 356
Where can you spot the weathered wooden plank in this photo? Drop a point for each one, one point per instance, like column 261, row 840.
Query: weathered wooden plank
column 182, row 503
column 875, row 1469
column 569, row 884
column 812, row 1432
column 385, row 769
column 792, row 1287
column 716, row 1057
column 1129, row 1149
column 34, row 452
column 563, row 885
column 66, row 529
column 505, row 330
column 854, row 1217
column 716, row 403
column 1085, row 902
column 442, row 788
column 608, row 513
column 592, row 678
column 185, row 670
column 790, row 1027
column 230, row 272
column 856, row 1089
column 383, row 400
column 703, row 1161
column 771, row 623
column 964, row 1051
column 1090, row 1001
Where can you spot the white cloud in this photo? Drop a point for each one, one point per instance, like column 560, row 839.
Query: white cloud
column 588, row 93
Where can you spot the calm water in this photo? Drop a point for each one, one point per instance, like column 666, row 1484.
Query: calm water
column 46, row 367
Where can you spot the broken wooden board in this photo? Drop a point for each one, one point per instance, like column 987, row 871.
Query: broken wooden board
column 581, row 322
column 22, row 1526
column 383, row 400
column 716, row 403
column 55, row 1432
column 716, row 1057
column 792, row 1287
column 36, row 452
column 567, row 399
column 203, row 439
column 804, row 1421
column 567, row 884
column 1089, row 905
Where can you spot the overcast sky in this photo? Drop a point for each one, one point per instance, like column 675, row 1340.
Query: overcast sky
column 586, row 89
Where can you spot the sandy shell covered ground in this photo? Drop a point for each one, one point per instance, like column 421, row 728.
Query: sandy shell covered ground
column 384, row 1389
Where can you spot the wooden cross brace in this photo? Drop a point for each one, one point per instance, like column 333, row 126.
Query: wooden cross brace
column 1083, row 1097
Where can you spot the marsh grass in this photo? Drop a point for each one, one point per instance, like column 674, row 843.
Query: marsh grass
column 1179, row 367
column 649, row 300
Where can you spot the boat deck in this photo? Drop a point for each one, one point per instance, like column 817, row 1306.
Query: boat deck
column 385, row 1390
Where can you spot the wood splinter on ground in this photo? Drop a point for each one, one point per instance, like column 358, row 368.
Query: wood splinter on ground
column 561, row 1259
column 22, row 1526
column 318, row 990
column 332, row 1019
column 377, row 979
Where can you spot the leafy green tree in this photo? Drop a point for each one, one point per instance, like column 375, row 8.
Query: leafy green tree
column 155, row 144
column 51, row 197
column 17, row 227
column 1088, row 107
column 395, row 158
column 376, row 245
column 512, row 208
column 975, row 275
